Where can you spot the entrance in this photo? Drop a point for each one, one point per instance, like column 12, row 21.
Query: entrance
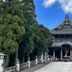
column 66, row 50
column 57, row 54
column 61, row 52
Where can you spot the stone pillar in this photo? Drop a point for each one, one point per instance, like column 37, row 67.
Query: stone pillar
column 42, row 58
column 29, row 62
column 36, row 60
column 45, row 57
column 1, row 61
column 61, row 54
column 17, row 65
column 53, row 54
column 48, row 59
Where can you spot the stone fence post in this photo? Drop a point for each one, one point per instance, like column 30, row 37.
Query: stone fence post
column 1, row 61
column 36, row 60
column 29, row 62
column 42, row 58
column 45, row 59
column 17, row 65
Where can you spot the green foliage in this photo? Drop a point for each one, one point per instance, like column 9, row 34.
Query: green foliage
column 27, row 44
column 42, row 40
column 10, row 46
column 37, row 38
column 19, row 29
column 12, row 27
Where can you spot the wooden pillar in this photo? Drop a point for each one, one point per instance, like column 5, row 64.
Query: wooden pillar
column 61, row 54
column 71, row 53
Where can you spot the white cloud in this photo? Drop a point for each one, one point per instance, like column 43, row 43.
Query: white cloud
column 66, row 5
column 48, row 3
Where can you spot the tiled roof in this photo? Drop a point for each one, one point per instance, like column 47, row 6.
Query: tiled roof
column 64, row 28
column 59, row 44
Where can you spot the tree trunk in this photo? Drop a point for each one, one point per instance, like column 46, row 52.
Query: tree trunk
column 6, row 60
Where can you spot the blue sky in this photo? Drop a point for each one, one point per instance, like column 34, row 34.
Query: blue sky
column 50, row 13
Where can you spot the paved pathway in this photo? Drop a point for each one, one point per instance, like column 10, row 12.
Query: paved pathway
column 56, row 67
column 32, row 69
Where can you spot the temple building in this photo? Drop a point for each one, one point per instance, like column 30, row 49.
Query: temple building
column 62, row 44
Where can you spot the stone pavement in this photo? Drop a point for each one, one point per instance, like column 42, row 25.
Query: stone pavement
column 33, row 68
column 56, row 67
column 52, row 67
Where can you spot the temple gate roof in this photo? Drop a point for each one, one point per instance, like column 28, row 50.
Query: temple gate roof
column 64, row 28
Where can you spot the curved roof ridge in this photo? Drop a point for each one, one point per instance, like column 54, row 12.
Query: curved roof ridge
column 65, row 21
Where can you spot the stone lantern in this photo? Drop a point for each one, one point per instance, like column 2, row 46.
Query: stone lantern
column 1, row 61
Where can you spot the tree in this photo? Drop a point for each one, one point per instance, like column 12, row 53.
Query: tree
column 37, row 38
column 12, row 27
column 29, row 18
column 42, row 40
column 19, row 29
